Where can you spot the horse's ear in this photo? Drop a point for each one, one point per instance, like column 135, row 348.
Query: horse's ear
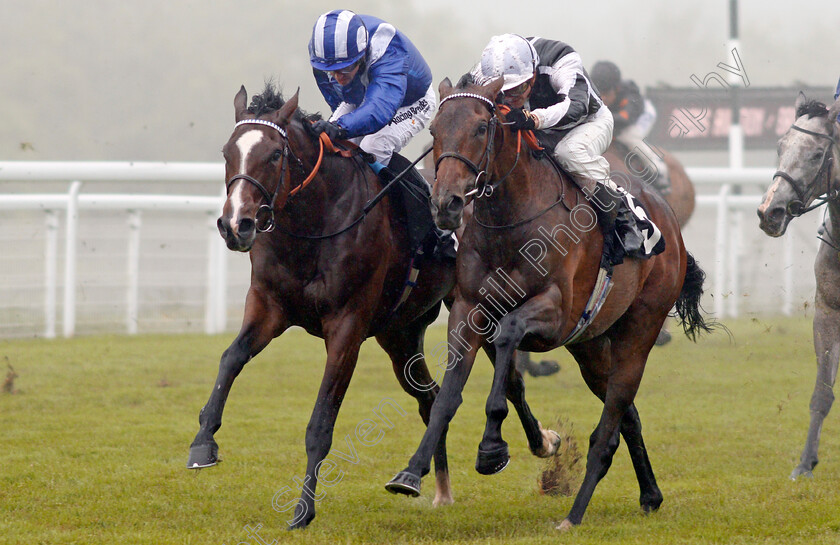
column 800, row 100
column 240, row 103
column 445, row 88
column 492, row 89
column 284, row 114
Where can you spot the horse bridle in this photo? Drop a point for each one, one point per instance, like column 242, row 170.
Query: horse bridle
column 796, row 207
column 267, row 209
column 486, row 188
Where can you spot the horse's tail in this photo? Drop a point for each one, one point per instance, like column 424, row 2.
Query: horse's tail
column 688, row 303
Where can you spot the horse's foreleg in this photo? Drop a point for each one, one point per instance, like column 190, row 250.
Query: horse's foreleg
column 262, row 322
column 405, row 347
column 462, row 345
column 538, row 316
column 343, row 338
column 827, row 348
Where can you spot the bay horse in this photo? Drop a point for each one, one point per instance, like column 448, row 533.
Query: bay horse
column 807, row 177
column 680, row 196
column 527, row 264
column 323, row 260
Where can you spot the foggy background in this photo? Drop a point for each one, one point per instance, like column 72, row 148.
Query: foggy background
column 155, row 80
column 99, row 80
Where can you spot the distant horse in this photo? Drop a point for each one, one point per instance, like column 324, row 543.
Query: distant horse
column 528, row 267
column 324, row 261
column 681, row 194
column 808, row 155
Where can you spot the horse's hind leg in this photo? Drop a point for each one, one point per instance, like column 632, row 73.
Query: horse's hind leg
column 343, row 336
column 261, row 323
column 827, row 348
column 404, row 345
column 650, row 497
column 620, row 361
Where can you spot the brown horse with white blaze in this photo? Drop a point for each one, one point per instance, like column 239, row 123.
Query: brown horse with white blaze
column 527, row 266
column 324, row 260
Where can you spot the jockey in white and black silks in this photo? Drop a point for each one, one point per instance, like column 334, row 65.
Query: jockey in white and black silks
column 549, row 90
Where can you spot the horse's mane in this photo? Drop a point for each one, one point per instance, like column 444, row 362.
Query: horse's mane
column 812, row 108
column 469, row 80
column 465, row 81
column 271, row 100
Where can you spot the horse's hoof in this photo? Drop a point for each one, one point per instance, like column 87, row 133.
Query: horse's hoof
column 404, row 483
column 565, row 526
column 544, row 368
column 490, row 462
column 301, row 524
column 801, row 472
column 663, row 338
column 206, row 455
column 650, row 505
column 551, row 441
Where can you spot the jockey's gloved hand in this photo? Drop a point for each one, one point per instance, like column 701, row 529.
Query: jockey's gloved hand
column 520, row 120
column 334, row 131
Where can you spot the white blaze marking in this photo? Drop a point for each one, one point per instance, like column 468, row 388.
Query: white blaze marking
column 245, row 143
column 771, row 192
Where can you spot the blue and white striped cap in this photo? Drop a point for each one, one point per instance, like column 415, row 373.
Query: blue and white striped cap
column 339, row 38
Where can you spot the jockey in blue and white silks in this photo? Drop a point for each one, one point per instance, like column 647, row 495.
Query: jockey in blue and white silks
column 376, row 82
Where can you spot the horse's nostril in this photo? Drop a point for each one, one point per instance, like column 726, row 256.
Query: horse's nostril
column 456, row 204
column 246, row 227
column 222, row 226
column 776, row 215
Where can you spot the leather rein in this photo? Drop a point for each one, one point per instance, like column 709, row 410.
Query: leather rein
column 797, row 207
column 480, row 170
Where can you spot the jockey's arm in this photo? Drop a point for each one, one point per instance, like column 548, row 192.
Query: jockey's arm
column 567, row 79
column 383, row 97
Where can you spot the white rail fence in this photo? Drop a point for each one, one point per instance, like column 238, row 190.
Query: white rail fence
column 715, row 234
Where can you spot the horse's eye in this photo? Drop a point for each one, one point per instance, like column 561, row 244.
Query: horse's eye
column 481, row 130
column 816, row 155
column 276, row 156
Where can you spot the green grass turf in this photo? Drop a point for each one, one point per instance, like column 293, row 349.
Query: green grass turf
column 93, row 447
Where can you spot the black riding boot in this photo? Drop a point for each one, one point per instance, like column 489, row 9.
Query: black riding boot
column 414, row 193
column 607, row 206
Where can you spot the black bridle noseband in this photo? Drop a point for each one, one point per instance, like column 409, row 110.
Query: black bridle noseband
column 266, row 210
column 480, row 189
column 797, row 207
